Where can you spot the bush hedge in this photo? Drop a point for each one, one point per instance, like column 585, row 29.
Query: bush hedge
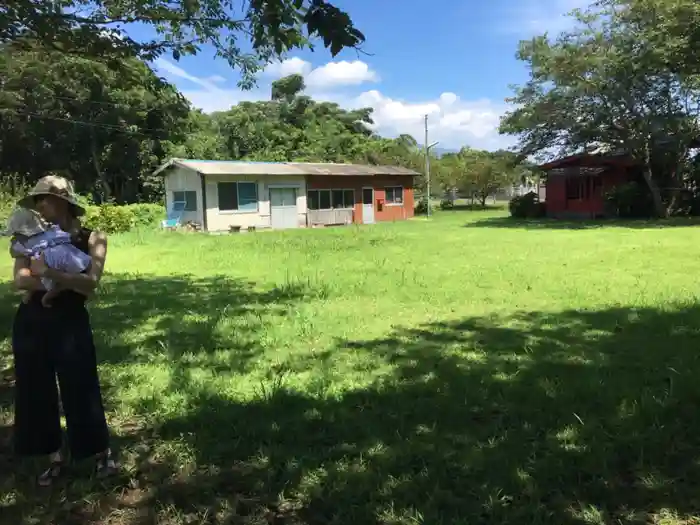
column 421, row 207
column 111, row 218
column 7, row 204
column 629, row 201
column 108, row 218
column 526, row 206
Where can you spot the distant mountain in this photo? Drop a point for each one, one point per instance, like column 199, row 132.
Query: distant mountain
column 439, row 152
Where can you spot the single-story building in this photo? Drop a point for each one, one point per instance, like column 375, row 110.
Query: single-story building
column 576, row 185
column 220, row 195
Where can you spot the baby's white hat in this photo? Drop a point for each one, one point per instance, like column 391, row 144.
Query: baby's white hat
column 24, row 221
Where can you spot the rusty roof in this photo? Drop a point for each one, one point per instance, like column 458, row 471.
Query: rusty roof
column 236, row 167
column 589, row 160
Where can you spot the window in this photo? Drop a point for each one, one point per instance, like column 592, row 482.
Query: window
column 188, row 197
column 283, row 197
column 312, row 200
column 394, row 195
column 238, row 196
column 330, row 199
column 581, row 188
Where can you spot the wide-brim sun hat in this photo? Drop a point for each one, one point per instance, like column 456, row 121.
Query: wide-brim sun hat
column 56, row 186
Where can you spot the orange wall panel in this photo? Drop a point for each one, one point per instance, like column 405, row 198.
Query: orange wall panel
column 378, row 183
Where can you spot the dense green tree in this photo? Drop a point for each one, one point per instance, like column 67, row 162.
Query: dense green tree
column 106, row 128
column 607, row 85
column 98, row 29
column 477, row 173
column 293, row 127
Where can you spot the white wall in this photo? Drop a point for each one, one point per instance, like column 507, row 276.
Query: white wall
column 182, row 179
column 223, row 220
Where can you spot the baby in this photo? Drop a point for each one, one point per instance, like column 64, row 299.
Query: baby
column 32, row 236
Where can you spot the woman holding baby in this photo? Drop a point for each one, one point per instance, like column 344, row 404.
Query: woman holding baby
column 52, row 339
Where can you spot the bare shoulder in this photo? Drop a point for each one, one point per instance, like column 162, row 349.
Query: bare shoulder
column 97, row 243
column 97, row 237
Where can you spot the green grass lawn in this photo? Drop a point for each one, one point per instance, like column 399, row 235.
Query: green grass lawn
column 451, row 371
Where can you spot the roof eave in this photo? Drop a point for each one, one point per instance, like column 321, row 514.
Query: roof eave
column 168, row 164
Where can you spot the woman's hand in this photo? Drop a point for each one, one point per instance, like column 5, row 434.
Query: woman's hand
column 38, row 266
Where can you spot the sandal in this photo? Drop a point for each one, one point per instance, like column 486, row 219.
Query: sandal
column 46, row 478
column 105, row 465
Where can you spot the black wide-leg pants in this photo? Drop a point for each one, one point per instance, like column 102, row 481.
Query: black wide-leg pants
column 50, row 346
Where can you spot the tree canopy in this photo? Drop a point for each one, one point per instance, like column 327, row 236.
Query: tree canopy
column 615, row 82
column 269, row 28
column 78, row 97
column 102, row 127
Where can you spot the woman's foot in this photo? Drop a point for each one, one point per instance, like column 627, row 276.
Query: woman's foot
column 105, row 464
column 54, row 471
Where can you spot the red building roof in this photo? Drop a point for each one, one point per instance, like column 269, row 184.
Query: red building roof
column 590, row 160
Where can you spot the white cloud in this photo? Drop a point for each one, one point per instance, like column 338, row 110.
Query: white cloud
column 289, row 66
column 342, row 73
column 535, row 17
column 333, row 74
column 452, row 121
column 210, row 97
column 217, row 79
column 176, row 71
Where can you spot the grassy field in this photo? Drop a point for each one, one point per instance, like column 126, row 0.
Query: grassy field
column 453, row 371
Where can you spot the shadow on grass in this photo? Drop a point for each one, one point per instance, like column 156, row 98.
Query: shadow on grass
column 476, row 207
column 142, row 320
column 559, row 224
column 565, row 418
column 562, row 418
column 181, row 316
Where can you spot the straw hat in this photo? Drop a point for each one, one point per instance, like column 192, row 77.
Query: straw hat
column 56, row 186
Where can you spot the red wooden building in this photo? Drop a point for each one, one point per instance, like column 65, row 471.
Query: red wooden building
column 385, row 193
column 576, row 185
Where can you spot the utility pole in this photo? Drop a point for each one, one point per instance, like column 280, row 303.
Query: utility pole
column 427, row 166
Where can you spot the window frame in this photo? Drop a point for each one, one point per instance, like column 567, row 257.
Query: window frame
column 186, row 209
column 238, row 210
column 581, row 188
column 330, row 198
column 392, row 203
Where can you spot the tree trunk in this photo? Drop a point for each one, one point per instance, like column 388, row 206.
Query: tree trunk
column 483, row 198
column 673, row 203
column 106, row 190
column 659, row 209
column 677, row 184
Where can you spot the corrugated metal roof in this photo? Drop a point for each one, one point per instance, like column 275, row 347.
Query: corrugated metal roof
column 589, row 160
column 234, row 167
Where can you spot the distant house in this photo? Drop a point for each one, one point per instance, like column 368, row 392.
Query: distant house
column 220, row 195
column 576, row 185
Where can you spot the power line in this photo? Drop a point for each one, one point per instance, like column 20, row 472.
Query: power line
column 86, row 101
column 110, row 127
column 77, row 99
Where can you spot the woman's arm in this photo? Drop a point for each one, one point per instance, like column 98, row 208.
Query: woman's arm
column 23, row 278
column 83, row 283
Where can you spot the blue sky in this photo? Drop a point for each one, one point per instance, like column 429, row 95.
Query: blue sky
column 449, row 58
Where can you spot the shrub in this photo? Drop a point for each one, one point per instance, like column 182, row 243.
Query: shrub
column 422, row 207
column 108, row 218
column 630, row 201
column 447, row 204
column 526, row 206
column 147, row 215
column 7, row 204
column 111, row 218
